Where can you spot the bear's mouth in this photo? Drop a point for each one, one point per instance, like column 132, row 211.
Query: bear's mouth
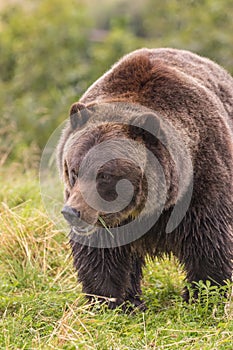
column 108, row 223
column 83, row 231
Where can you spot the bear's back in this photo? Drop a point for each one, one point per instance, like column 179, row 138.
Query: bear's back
column 164, row 69
column 207, row 72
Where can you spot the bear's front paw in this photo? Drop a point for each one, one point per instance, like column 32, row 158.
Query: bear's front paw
column 111, row 303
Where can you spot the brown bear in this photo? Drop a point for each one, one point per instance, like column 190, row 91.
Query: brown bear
column 155, row 131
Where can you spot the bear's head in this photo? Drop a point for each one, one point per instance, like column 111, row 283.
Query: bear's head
column 115, row 166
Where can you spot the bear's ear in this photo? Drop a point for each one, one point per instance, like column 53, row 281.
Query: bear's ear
column 79, row 115
column 148, row 125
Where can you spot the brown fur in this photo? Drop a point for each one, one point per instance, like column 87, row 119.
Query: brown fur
column 195, row 95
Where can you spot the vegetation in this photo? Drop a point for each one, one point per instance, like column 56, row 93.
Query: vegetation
column 50, row 52
column 42, row 307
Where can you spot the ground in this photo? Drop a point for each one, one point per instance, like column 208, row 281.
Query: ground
column 41, row 305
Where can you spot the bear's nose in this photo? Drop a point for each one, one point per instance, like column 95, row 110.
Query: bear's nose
column 71, row 214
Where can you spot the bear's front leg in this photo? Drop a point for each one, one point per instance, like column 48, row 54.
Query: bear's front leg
column 133, row 294
column 103, row 272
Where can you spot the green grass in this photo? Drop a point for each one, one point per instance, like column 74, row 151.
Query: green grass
column 42, row 307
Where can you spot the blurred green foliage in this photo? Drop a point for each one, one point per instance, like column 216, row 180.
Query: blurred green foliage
column 52, row 50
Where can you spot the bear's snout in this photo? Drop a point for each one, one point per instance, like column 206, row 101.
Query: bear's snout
column 71, row 215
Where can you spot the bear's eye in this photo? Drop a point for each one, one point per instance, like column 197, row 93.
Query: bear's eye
column 105, row 177
column 73, row 178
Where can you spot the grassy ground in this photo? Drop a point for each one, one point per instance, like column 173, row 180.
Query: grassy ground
column 41, row 305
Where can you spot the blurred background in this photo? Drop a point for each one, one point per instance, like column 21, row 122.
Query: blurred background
column 52, row 50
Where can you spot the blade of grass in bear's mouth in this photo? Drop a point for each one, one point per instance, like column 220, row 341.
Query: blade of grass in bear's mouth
column 101, row 220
